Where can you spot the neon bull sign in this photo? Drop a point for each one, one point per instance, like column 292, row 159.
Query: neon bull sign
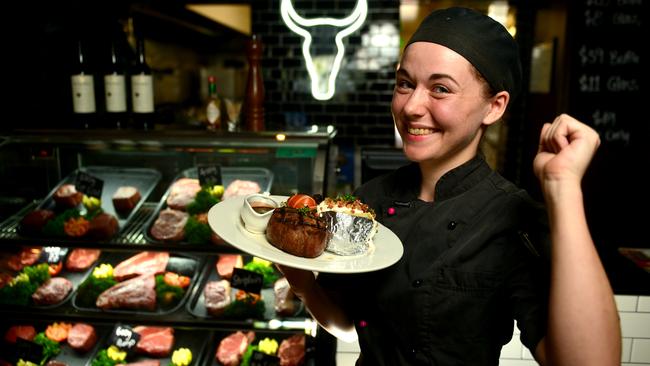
column 323, row 83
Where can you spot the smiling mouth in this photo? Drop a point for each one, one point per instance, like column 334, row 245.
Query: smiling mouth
column 420, row 131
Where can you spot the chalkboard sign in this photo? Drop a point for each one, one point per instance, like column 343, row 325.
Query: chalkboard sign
column 89, row 185
column 248, row 281
column 124, row 338
column 606, row 44
column 209, row 175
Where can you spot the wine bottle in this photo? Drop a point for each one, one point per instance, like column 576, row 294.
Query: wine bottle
column 142, row 90
column 83, row 91
column 115, row 91
column 213, row 115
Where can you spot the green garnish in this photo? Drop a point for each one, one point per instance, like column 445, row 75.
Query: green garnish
column 166, row 294
column 50, row 347
column 197, row 232
column 346, row 198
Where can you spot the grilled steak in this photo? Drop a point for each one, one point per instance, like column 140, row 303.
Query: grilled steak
column 292, row 350
column 304, row 235
column 136, row 293
column 141, row 263
column 216, row 296
column 170, row 225
column 182, row 193
column 82, row 337
column 80, row 259
column 52, row 291
column 126, row 198
column 232, row 348
column 155, row 341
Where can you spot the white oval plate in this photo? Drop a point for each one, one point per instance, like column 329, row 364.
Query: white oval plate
column 224, row 219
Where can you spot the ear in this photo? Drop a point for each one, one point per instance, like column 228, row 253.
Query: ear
column 498, row 104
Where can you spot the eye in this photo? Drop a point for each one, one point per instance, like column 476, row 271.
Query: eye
column 403, row 84
column 439, row 89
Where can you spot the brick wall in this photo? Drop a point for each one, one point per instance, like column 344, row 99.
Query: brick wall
column 360, row 108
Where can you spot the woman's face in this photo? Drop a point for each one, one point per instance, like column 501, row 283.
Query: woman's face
column 438, row 105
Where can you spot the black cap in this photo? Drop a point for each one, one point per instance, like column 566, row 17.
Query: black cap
column 484, row 42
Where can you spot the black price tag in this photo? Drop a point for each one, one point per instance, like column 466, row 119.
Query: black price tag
column 52, row 255
column 89, row 185
column 209, row 175
column 124, row 338
column 28, row 351
column 247, row 280
column 262, row 359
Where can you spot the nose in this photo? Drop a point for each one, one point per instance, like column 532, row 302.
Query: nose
column 415, row 105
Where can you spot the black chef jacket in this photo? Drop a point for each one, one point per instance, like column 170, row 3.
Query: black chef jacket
column 473, row 262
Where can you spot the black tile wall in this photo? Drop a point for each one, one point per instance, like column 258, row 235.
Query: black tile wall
column 360, row 108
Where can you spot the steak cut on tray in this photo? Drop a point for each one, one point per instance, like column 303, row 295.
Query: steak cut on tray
column 292, row 351
column 232, row 348
column 82, row 337
column 170, row 225
column 80, row 259
column 182, row 193
column 216, row 296
column 141, row 263
column 136, row 293
column 155, row 341
column 52, row 291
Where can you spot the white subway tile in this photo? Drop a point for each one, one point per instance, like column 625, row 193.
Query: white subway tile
column 635, row 325
column 640, row 351
column 626, row 349
column 626, row 302
column 512, row 350
column 643, row 305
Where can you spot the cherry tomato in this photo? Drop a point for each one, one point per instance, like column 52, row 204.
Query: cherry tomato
column 301, row 200
column 55, row 268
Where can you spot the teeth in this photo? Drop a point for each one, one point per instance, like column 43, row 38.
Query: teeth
column 420, row 131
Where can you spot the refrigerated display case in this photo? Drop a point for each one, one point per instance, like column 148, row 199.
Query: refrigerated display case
column 34, row 163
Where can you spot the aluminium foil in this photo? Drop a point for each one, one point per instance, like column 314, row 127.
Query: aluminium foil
column 351, row 235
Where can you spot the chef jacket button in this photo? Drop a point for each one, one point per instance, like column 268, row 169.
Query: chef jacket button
column 414, row 351
column 391, row 211
column 452, row 225
column 417, row 283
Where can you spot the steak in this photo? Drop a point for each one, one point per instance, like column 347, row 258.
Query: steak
column 285, row 300
column 216, row 296
column 155, row 341
column 241, row 188
column 227, row 263
column 126, row 198
column 82, row 337
column 26, row 332
column 292, row 350
column 26, row 257
column 232, row 348
column 141, row 263
column 34, row 221
column 182, row 193
column 80, row 259
column 303, row 235
column 103, row 226
column 68, row 196
column 141, row 363
column 136, row 293
column 170, row 225
column 52, row 291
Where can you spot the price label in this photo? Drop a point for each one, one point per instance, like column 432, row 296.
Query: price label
column 89, row 185
column 247, row 280
column 262, row 359
column 52, row 255
column 124, row 338
column 209, row 175
column 28, row 351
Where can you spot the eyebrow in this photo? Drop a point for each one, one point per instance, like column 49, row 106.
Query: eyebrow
column 432, row 77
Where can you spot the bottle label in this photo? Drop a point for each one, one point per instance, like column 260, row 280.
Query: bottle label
column 115, row 93
column 142, row 93
column 213, row 113
column 83, row 93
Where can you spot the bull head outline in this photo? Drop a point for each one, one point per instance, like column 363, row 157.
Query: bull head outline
column 298, row 24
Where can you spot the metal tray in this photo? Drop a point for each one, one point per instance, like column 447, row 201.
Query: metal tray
column 145, row 180
column 68, row 355
column 279, row 335
column 196, row 303
column 194, row 339
column 182, row 264
column 75, row 277
column 262, row 176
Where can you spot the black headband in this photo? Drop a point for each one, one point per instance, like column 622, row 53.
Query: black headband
column 481, row 40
